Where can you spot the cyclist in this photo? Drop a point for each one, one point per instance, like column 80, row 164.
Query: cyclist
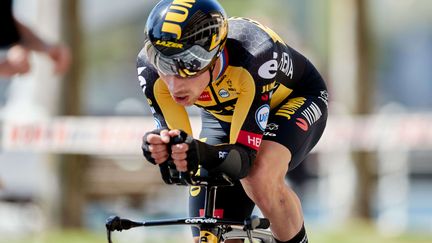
column 264, row 107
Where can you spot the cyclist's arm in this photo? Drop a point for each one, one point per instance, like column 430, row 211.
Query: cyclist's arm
column 233, row 159
column 29, row 39
column 253, row 105
column 166, row 113
column 272, row 61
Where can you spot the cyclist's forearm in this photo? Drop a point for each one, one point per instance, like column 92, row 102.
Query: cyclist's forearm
column 29, row 39
column 232, row 159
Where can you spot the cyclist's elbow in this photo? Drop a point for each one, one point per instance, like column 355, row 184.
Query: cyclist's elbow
column 237, row 162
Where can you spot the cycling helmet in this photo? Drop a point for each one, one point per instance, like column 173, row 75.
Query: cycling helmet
column 185, row 37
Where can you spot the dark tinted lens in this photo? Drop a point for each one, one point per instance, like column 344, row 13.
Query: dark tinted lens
column 185, row 64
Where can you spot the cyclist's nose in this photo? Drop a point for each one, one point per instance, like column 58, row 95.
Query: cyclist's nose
column 175, row 84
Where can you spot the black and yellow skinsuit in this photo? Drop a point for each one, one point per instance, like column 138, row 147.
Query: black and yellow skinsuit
column 265, row 90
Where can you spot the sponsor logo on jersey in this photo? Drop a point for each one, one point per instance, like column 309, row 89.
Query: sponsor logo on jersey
column 152, row 109
column 230, row 86
column 142, row 80
column 272, row 126
column 324, row 97
column 268, row 87
column 269, row 69
column 158, row 123
column 286, row 65
column 252, row 140
column 176, row 15
column 223, row 93
column 261, row 116
column 269, row 134
column 219, row 81
column 311, row 114
column 223, row 154
column 267, row 91
column 205, row 96
column 288, row 109
column 149, row 101
column 302, row 124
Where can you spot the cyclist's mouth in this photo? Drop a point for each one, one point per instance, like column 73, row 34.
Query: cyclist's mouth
column 181, row 99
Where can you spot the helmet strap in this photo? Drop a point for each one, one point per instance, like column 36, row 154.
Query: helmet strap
column 213, row 65
column 211, row 69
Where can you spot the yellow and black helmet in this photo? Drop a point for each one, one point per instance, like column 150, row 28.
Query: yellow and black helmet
column 185, row 37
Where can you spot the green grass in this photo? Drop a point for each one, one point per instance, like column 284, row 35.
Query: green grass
column 351, row 233
column 72, row 236
column 364, row 233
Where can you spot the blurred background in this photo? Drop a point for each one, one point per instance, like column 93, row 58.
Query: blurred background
column 71, row 157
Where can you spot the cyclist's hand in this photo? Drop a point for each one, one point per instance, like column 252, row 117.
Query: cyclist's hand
column 179, row 152
column 184, row 154
column 16, row 61
column 155, row 146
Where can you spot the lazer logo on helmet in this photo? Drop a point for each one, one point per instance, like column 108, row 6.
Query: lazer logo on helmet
column 169, row 44
column 177, row 14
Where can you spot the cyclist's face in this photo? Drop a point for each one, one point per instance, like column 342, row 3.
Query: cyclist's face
column 186, row 91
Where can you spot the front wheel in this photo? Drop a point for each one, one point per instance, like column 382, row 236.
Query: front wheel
column 258, row 235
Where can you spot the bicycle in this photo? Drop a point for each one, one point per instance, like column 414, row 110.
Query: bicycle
column 212, row 229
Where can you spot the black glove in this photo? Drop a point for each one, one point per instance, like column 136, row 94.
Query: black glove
column 192, row 155
column 145, row 145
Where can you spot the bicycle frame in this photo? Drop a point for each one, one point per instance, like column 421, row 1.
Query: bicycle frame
column 212, row 230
